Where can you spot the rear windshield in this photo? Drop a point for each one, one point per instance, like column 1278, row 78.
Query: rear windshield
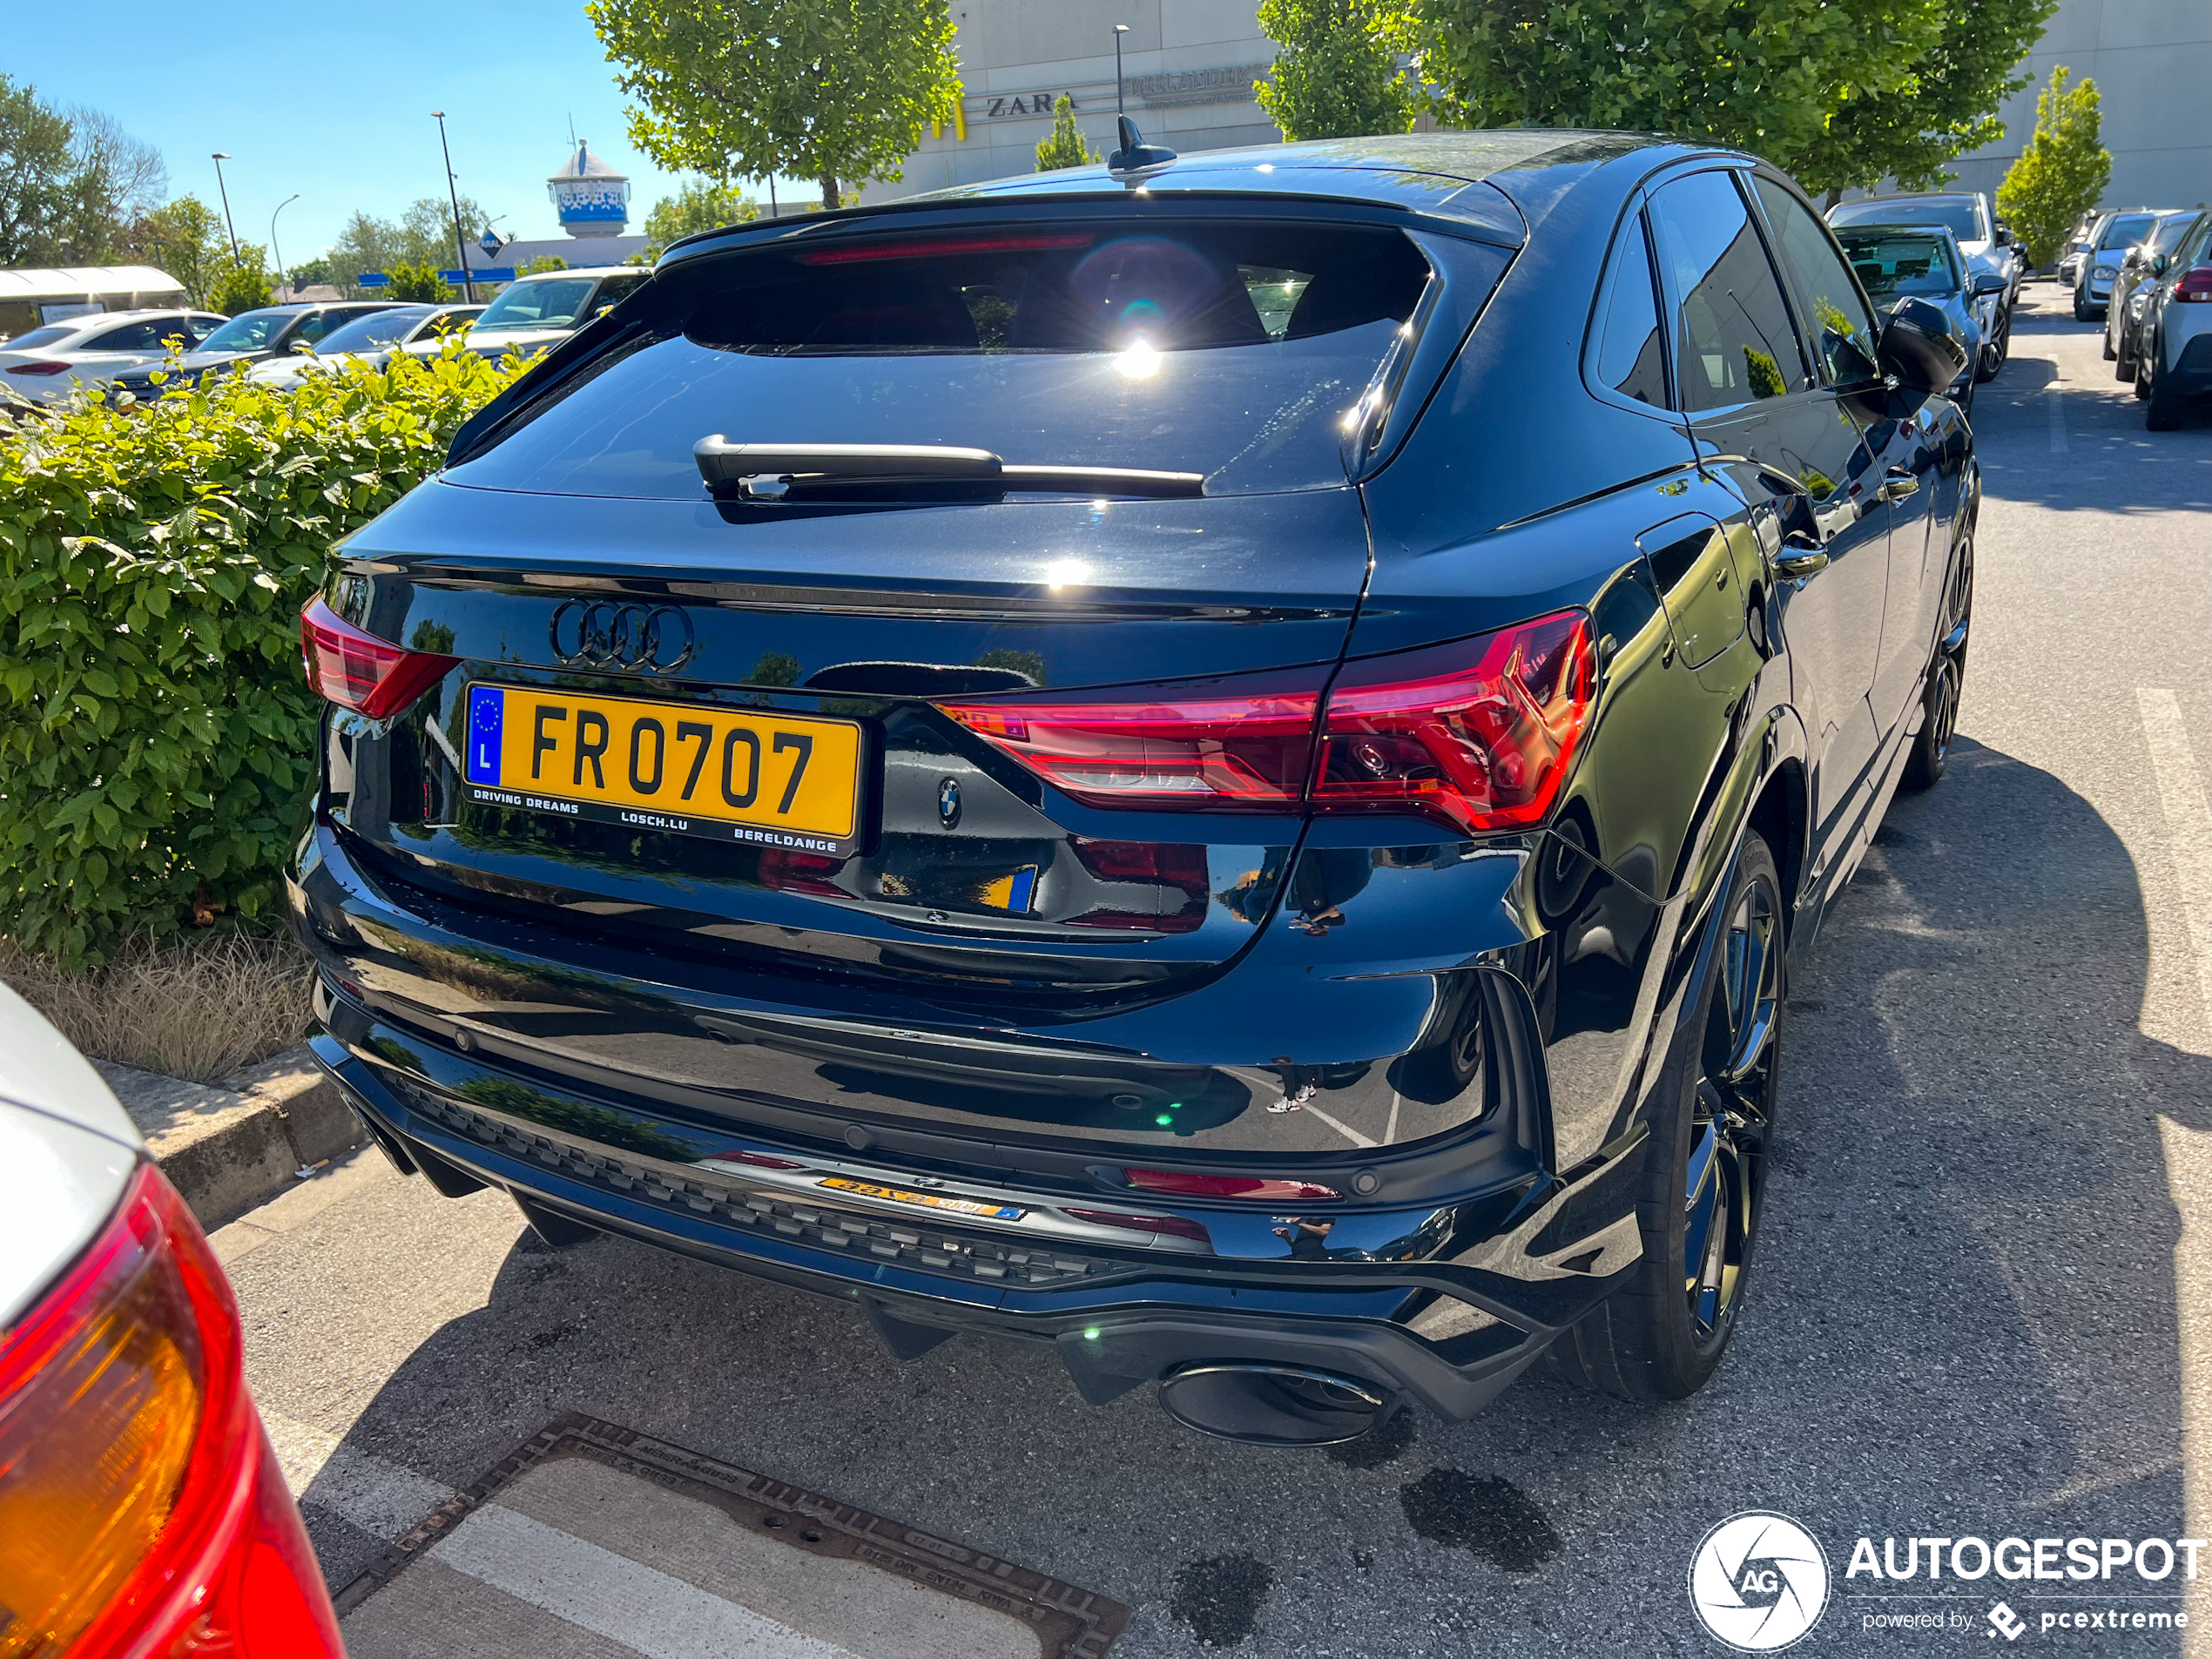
column 45, row 336
column 1893, row 267
column 1234, row 350
column 1961, row 218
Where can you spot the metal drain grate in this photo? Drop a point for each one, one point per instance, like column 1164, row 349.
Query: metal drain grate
column 930, row 1249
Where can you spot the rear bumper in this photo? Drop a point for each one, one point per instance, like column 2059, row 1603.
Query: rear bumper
column 1448, row 1333
column 2191, row 374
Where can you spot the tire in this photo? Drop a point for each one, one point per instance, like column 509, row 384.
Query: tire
column 1704, row 1183
column 2162, row 409
column 1946, row 678
column 2080, row 311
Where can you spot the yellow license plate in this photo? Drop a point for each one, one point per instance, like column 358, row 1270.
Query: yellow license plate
column 929, row 1201
column 688, row 768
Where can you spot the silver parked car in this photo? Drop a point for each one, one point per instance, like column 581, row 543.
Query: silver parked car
column 45, row 364
column 2109, row 241
column 2077, row 244
column 1985, row 242
column 2175, row 336
column 418, row 330
column 2124, row 309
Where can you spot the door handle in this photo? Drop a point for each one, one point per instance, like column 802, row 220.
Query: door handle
column 1898, row 482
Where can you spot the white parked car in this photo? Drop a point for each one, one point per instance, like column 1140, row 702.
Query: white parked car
column 419, row 330
column 534, row 313
column 141, row 1508
column 49, row 362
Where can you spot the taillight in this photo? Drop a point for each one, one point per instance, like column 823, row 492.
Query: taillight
column 2194, row 285
column 1478, row 734
column 140, row 1508
column 1165, row 747
column 39, row 368
column 358, row 670
column 1189, row 1184
column 1167, row 867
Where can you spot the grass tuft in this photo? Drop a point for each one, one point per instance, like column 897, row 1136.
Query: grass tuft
column 200, row 1009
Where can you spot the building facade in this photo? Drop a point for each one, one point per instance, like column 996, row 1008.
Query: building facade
column 1189, row 66
column 2152, row 61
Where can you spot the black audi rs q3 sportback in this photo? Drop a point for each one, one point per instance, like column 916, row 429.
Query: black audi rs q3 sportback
column 1215, row 763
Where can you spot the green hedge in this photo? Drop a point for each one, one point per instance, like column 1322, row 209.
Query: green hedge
column 157, row 734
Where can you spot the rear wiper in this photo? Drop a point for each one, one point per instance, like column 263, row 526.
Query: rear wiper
column 767, row 474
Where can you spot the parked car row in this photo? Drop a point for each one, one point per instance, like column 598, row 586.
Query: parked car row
column 2146, row 273
column 147, row 353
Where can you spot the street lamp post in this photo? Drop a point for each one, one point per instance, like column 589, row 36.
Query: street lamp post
column 221, row 156
column 275, row 253
column 453, row 195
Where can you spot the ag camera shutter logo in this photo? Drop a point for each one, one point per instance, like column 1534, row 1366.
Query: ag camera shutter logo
column 1758, row 1581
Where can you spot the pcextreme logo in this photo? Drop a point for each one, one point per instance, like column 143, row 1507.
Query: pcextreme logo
column 1758, row 1581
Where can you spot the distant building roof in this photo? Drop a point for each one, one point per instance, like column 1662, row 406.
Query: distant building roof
column 584, row 165
column 71, row 282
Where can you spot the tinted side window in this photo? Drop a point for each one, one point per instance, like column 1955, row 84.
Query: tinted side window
column 1631, row 355
column 136, row 336
column 317, row 325
column 1841, row 325
column 1733, row 342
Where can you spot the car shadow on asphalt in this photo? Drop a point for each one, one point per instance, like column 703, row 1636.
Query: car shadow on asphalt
column 1963, row 1322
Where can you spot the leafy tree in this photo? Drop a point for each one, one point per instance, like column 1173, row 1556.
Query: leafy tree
column 2062, row 170
column 1947, row 107
column 72, row 182
column 185, row 239
column 1337, row 75
column 698, row 205
column 1761, row 75
column 310, row 274
column 542, row 264
column 1067, row 147
column 36, row 173
column 419, row 284
column 819, row 88
column 241, row 284
column 423, row 235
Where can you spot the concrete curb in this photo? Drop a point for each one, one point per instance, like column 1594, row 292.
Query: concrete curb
column 231, row 1145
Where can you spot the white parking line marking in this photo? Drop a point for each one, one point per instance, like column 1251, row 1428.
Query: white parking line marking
column 647, row 1611
column 2056, row 401
column 2188, row 823
column 372, row 1493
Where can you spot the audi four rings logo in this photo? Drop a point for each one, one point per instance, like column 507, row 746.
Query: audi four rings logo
column 655, row 639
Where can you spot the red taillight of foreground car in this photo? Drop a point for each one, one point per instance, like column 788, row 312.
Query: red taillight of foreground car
column 1188, row 1183
column 141, row 1510
column 360, row 672
column 1478, row 734
column 39, row 368
column 1163, row 747
column 2194, row 285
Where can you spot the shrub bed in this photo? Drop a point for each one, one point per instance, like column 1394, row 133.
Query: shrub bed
column 157, row 735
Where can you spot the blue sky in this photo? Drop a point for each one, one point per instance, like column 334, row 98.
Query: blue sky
column 336, row 103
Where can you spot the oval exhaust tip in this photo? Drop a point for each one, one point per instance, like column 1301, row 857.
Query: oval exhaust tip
column 1272, row 1404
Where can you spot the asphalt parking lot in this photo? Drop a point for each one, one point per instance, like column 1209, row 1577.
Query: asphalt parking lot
column 1983, row 1305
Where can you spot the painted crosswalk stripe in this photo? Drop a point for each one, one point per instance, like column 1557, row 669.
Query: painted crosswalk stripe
column 375, row 1494
column 649, row 1612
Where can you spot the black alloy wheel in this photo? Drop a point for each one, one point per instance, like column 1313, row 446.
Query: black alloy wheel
column 1726, row 1176
column 1997, row 351
column 2152, row 385
column 1662, row 1334
column 1925, row 766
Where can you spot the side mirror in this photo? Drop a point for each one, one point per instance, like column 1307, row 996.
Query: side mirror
column 2004, row 234
column 2158, row 265
column 1989, row 282
column 1920, row 348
